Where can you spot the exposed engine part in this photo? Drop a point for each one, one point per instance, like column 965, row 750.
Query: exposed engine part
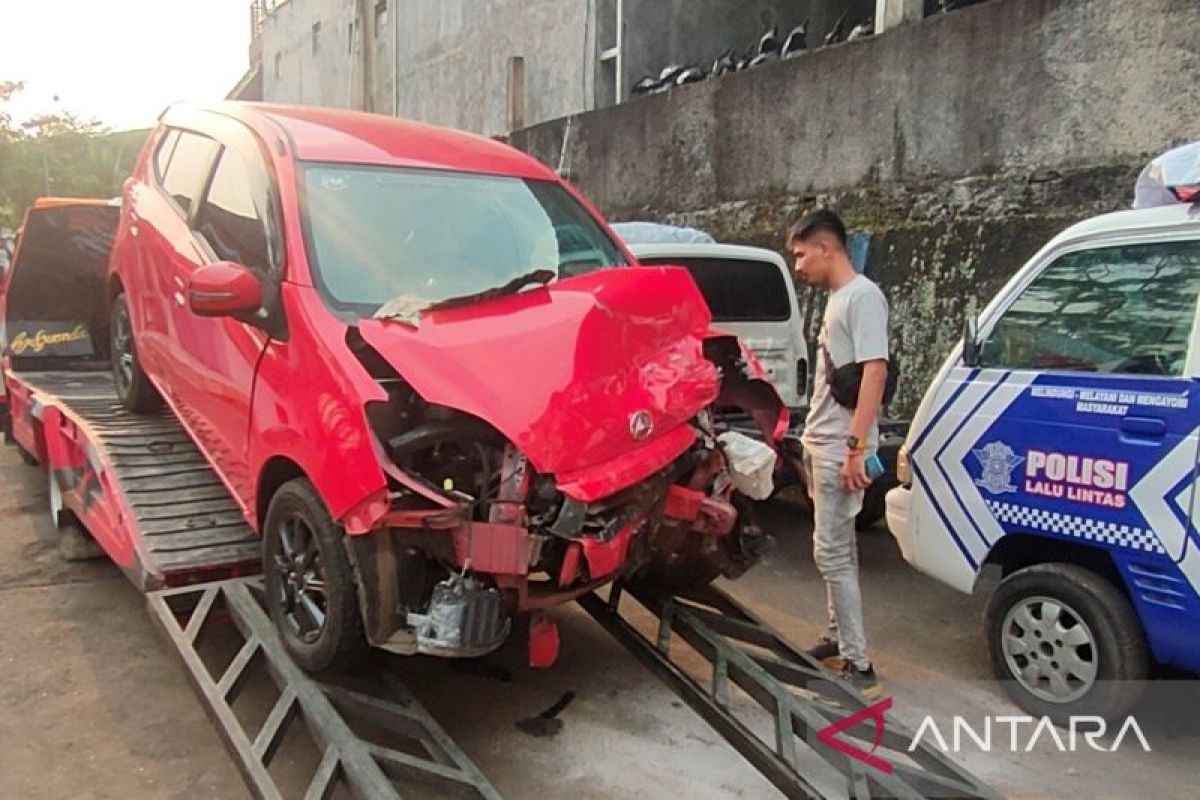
column 465, row 619
column 458, row 455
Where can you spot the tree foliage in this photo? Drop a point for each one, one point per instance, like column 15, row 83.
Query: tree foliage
column 58, row 154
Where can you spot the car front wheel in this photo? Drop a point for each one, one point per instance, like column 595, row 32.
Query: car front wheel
column 311, row 591
column 134, row 389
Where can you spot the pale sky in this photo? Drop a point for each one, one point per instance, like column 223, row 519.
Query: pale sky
column 122, row 61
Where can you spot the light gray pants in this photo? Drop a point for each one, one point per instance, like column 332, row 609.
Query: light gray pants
column 835, row 551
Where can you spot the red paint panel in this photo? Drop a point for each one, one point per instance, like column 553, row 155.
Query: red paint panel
column 605, row 558
column 543, row 642
column 683, row 503
column 495, row 549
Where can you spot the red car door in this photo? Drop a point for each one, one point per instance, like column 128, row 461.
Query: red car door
column 160, row 209
column 215, row 358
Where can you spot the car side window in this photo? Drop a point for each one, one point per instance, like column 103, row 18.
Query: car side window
column 188, row 168
column 162, row 156
column 228, row 218
column 1120, row 310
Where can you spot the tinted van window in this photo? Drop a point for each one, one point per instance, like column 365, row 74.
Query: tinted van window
column 228, row 219
column 1111, row 310
column 189, row 167
column 737, row 290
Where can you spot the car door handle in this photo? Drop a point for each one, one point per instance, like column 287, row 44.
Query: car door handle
column 1145, row 428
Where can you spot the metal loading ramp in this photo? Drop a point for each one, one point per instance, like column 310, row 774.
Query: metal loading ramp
column 788, row 699
column 337, row 717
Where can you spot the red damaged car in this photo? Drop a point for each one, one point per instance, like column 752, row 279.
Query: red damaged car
column 417, row 361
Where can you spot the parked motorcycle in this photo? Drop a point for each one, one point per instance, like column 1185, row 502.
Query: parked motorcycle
column 861, row 31
column 838, row 32
column 796, row 42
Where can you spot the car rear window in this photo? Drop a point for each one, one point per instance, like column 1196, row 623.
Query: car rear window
column 737, row 290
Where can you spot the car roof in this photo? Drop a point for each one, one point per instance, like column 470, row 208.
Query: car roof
column 700, row 250
column 1180, row 217
column 338, row 135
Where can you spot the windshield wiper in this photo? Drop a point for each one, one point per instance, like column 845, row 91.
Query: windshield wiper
column 537, row 277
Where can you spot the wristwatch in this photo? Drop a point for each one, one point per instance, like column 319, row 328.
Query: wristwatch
column 855, row 443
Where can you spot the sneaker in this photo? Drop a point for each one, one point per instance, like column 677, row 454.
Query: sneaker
column 863, row 680
column 825, row 651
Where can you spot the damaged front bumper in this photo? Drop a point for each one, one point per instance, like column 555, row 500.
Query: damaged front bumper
column 506, row 566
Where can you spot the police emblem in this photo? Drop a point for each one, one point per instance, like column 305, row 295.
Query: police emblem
column 998, row 461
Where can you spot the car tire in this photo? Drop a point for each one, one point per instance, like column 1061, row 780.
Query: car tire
column 1099, row 632
column 303, row 546
column 134, row 389
column 874, row 506
column 688, row 572
column 27, row 458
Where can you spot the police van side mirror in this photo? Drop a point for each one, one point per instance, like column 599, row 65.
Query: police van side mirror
column 970, row 343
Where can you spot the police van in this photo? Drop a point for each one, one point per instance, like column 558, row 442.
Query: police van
column 1059, row 442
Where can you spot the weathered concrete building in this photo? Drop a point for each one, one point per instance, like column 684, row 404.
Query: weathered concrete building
column 491, row 66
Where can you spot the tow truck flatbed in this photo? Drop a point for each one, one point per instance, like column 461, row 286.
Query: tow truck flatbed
column 137, row 483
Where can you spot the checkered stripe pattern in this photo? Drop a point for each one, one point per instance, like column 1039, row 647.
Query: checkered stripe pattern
column 1089, row 530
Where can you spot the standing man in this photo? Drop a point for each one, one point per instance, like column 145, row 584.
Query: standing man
column 839, row 440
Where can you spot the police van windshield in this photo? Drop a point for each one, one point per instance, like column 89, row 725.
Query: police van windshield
column 1125, row 309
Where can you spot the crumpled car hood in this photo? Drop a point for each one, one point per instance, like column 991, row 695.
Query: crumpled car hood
column 570, row 373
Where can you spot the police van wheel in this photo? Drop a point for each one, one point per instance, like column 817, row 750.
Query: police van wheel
column 1065, row 642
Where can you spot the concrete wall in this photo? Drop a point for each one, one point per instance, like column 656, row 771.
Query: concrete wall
column 293, row 73
column 454, row 55
column 961, row 143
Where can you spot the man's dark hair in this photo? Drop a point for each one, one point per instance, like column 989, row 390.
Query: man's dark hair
column 820, row 221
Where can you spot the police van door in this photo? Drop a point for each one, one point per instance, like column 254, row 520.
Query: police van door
column 1087, row 429
column 1080, row 420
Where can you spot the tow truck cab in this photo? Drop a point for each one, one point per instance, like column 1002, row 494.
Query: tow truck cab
column 49, row 314
column 1059, row 442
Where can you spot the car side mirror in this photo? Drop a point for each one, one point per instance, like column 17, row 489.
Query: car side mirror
column 224, row 289
column 970, row 343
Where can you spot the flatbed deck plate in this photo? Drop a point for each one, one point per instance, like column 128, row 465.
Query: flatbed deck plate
column 183, row 521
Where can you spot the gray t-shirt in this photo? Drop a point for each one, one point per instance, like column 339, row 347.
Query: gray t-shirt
column 855, row 329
